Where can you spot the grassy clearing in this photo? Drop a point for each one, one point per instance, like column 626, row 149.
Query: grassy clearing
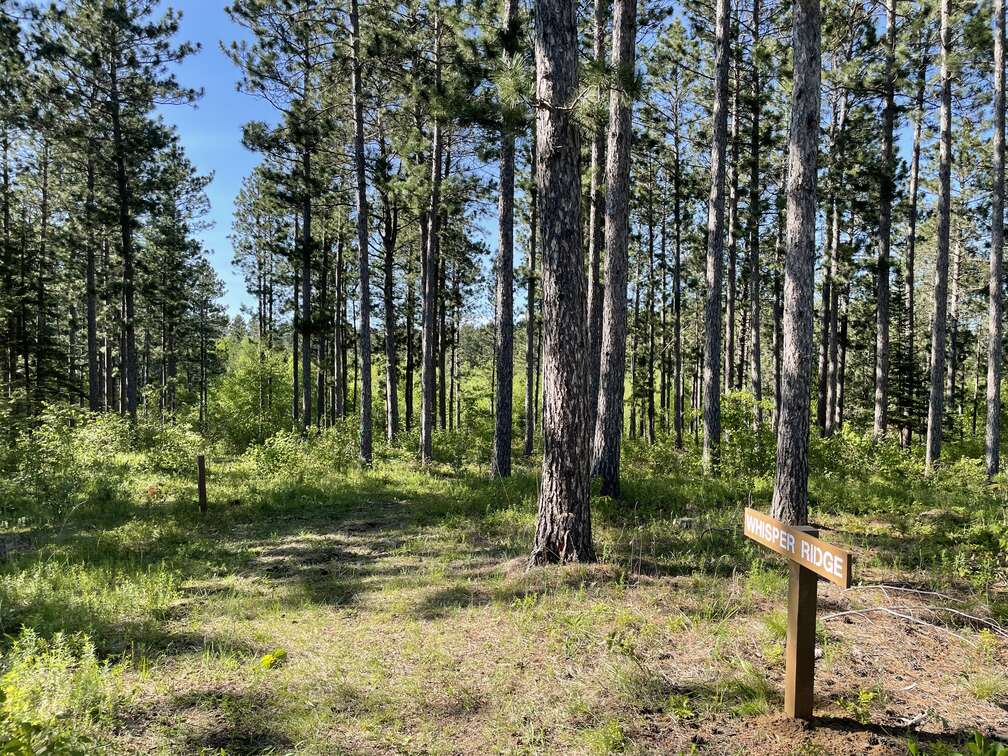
column 321, row 609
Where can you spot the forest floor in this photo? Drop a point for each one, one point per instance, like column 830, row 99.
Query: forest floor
column 391, row 612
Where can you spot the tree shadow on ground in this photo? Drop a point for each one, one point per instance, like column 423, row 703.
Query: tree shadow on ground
column 903, row 734
column 226, row 721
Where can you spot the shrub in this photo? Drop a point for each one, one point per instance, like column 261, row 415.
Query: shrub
column 54, row 694
column 69, row 459
column 171, row 447
column 286, row 456
column 251, row 401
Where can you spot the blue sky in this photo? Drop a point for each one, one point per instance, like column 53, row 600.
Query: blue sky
column 211, row 132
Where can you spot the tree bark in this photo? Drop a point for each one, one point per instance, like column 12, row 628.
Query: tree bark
column 500, row 462
column 677, row 287
column 936, row 398
column 428, row 336
column 651, row 312
column 885, row 230
column 952, row 360
column 307, row 322
column 731, row 277
column 94, row 383
column 778, row 313
column 715, row 246
column 909, row 328
column 389, row 239
column 831, row 289
column 323, row 304
column 635, row 335
column 755, row 216
column 596, row 227
column 993, row 431
column 339, row 346
column 531, row 374
column 790, row 498
column 410, row 337
column 609, row 425
column 362, row 242
column 563, row 531
column 125, row 206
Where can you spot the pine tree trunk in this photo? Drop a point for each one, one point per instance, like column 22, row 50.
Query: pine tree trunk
column 743, row 333
column 842, row 377
column 596, row 228
column 94, row 383
column 790, row 498
column 295, row 340
column 339, row 348
column 778, row 313
column 391, row 349
column 731, row 276
column 663, row 346
column 976, row 382
column 430, row 278
column 323, row 304
column 952, row 363
column 715, row 246
column 651, row 314
column 442, row 342
column 10, row 358
column 831, row 292
column 609, row 426
column 307, row 322
column 885, row 229
column 500, row 462
column 755, row 216
column 910, row 327
column 635, row 334
column 994, row 325
column 831, row 324
column 531, row 374
column 677, row 287
column 410, row 307
column 563, row 531
column 125, row 207
column 938, row 325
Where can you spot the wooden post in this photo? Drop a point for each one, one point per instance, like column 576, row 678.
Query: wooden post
column 800, row 656
column 201, row 482
column 808, row 560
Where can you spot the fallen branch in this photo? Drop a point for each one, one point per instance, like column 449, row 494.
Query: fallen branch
column 913, row 721
column 908, row 617
column 989, row 624
column 885, row 587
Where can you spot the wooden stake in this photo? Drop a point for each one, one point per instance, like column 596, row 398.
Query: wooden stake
column 201, row 482
column 800, row 656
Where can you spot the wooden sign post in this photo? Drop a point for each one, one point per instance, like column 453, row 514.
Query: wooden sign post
column 201, row 482
column 810, row 558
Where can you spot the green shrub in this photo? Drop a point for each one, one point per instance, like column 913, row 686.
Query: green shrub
column 251, row 400
column 54, row 695
column 69, row 459
column 286, row 456
column 171, row 447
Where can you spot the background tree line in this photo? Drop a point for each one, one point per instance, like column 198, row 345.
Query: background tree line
column 640, row 241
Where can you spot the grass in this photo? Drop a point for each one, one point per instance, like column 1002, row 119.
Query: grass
column 986, row 685
column 324, row 609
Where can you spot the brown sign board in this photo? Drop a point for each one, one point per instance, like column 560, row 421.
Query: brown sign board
column 829, row 561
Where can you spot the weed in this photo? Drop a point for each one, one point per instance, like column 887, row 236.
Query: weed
column 776, row 623
column 859, row 707
column 986, row 686
column 607, row 737
column 679, row 706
